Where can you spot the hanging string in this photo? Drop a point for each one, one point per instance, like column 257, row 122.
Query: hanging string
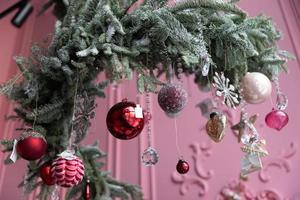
column 36, row 108
column 148, row 119
column 55, row 193
column 176, row 141
column 72, row 136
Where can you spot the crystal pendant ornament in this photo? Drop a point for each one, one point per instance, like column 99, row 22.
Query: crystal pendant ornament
column 254, row 149
column 256, row 87
column 277, row 119
column 182, row 167
column 125, row 120
column 250, row 163
column 172, row 98
column 215, row 127
column 150, row 157
column 205, row 65
column 281, row 101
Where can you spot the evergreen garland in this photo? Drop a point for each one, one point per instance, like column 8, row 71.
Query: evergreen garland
column 95, row 36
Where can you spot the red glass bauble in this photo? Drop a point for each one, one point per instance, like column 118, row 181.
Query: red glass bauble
column 87, row 191
column 182, row 167
column 31, row 145
column 67, row 169
column 122, row 122
column 45, row 173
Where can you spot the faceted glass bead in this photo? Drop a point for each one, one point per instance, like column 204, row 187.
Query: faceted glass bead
column 205, row 69
column 150, row 157
column 281, row 101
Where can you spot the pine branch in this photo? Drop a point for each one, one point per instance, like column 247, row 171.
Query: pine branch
column 208, row 4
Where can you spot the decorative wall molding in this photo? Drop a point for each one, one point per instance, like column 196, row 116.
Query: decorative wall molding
column 200, row 153
column 295, row 5
column 285, row 14
column 239, row 190
column 282, row 162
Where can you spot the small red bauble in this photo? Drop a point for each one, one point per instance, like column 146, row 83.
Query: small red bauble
column 277, row 119
column 122, row 122
column 67, row 169
column 45, row 173
column 172, row 98
column 31, row 145
column 87, row 191
column 182, row 167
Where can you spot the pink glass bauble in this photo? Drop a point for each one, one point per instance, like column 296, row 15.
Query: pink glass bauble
column 277, row 119
column 256, row 87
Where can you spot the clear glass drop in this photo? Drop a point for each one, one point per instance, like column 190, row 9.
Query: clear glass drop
column 281, row 101
column 150, row 157
column 205, row 68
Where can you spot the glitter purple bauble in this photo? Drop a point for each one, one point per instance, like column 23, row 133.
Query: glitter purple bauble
column 172, row 98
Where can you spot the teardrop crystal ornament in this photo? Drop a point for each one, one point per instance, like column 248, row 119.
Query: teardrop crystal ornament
column 150, row 157
column 281, row 101
column 205, row 69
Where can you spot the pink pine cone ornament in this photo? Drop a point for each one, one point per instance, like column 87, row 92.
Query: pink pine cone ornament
column 67, row 169
column 172, row 98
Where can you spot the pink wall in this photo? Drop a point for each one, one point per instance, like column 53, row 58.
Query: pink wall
column 213, row 165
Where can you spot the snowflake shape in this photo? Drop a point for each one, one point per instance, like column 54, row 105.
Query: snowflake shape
column 221, row 83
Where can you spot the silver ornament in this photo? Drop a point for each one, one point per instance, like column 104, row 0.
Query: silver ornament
column 223, row 88
column 150, row 157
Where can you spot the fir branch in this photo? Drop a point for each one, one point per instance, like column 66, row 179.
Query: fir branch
column 208, row 4
column 47, row 112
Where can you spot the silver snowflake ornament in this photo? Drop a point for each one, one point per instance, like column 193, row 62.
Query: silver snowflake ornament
column 223, row 88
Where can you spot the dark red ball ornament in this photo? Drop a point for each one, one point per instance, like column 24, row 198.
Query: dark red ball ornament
column 31, row 145
column 123, row 122
column 45, row 173
column 182, row 167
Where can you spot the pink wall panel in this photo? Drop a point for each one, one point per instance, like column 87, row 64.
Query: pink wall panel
column 212, row 165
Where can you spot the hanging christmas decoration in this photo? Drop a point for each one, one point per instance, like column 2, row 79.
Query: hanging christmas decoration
column 225, row 90
column 205, row 65
column 150, row 156
column 45, row 173
column 92, row 38
column 277, row 119
column 31, row 145
column 254, row 149
column 182, row 167
column 87, row 191
column 172, row 98
column 241, row 126
column 67, row 169
column 256, row 87
column 215, row 127
column 125, row 120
